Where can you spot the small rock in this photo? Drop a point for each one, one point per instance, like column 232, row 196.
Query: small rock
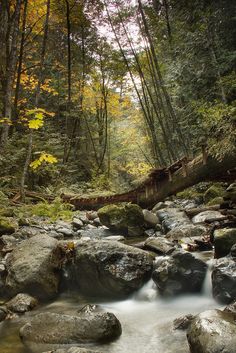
column 77, row 223
column 231, row 308
column 73, row 350
column 149, row 232
column 159, row 245
column 97, row 222
column 150, row 218
column 183, row 322
column 92, row 215
column 21, row 303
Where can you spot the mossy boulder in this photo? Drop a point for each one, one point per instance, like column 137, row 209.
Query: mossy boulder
column 224, row 239
column 7, row 212
column 214, row 191
column 230, row 193
column 121, row 217
column 216, row 201
column 7, row 226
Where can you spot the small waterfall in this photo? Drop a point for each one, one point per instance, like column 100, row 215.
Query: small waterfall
column 147, row 293
column 207, row 285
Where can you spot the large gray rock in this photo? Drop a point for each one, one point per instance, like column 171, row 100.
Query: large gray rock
column 57, row 329
column 207, row 216
column 172, row 218
column 110, row 269
column 122, row 217
column 224, row 280
column 33, row 267
column 212, row 331
column 179, row 273
column 224, row 239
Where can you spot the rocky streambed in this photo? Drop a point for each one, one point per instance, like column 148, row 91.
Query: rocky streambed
column 120, row 280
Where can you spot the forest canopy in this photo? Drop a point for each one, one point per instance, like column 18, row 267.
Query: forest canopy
column 94, row 94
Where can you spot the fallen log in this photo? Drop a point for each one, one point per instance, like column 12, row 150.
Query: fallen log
column 158, row 185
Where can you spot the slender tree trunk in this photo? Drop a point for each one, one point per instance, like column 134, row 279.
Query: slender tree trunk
column 19, row 69
column 37, row 96
column 11, row 57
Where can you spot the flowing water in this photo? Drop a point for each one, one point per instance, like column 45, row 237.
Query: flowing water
column 146, row 319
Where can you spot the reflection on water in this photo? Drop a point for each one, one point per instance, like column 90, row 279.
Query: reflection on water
column 146, row 321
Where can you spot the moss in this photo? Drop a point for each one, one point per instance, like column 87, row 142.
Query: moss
column 216, row 201
column 6, row 226
column 7, row 212
column 190, row 194
column 214, row 191
column 121, row 216
column 55, row 210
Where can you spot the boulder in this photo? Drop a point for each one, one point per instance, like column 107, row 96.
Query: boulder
column 150, row 218
column 224, row 280
column 121, row 217
column 58, row 329
column 212, row 331
column 186, row 231
column 172, row 218
column 33, row 267
column 7, row 226
column 109, row 269
column 213, row 191
column 207, row 216
column 21, row 303
column 179, row 273
column 224, row 239
column 230, row 193
column 161, row 246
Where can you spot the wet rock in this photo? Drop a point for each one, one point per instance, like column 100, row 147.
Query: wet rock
column 212, row 331
column 183, row 322
column 110, row 269
column 186, row 230
column 224, row 280
column 7, row 243
column 57, row 329
column 33, row 267
column 3, row 313
column 97, row 222
column 224, row 239
column 150, row 218
column 231, row 308
column 21, row 303
column 233, row 251
column 172, row 218
column 179, row 273
column 159, row 245
column 7, row 226
column 121, row 217
column 207, row 216
column 116, row 238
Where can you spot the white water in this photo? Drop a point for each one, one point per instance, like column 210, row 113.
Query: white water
column 146, row 319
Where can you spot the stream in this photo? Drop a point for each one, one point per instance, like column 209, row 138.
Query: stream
column 146, row 319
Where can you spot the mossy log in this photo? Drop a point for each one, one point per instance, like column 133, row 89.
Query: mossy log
column 162, row 183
